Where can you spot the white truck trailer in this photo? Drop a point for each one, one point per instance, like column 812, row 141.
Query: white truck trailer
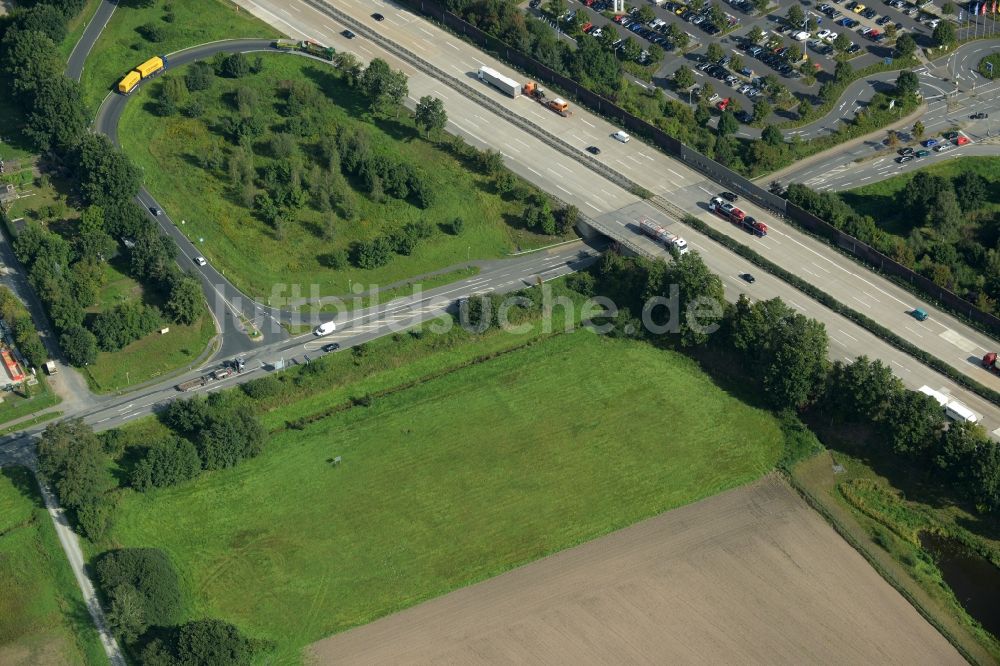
column 657, row 232
column 505, row 84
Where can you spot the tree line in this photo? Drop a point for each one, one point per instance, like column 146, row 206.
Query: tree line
column 949, row 231
column 68, row 274
column 783, row 355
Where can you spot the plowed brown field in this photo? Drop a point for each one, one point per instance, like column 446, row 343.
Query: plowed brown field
column 752, row 575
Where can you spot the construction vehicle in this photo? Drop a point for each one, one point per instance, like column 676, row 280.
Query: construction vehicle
column 503, row 83
column 557, row 104
column 990, row 362
column 151, row 67
column 285, row 44
column 318, row 50
column 658, row 233
column 222, row 373
column 197, row 382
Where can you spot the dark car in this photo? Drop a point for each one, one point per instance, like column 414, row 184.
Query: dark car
column 593, row 150
column 332, row 347
column 883, row 20
column 729, row 196
column 905, row 158
column 534, row 4
column 905, row 151
column 979, row 116
column 348, row 34
column 378, row 17
column 155, row 211
column 748, row 277
column 744, row 117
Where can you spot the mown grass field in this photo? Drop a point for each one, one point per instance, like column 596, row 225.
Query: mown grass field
column 42, row 616
column 121, row 47
column 450, row 481
column 15, row 404
column 246, row 249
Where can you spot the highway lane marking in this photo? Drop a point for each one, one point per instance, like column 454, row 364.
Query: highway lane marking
column 521, row 142
column 842, row 331
column 820, row 267
column 452, row 45
column 564, row 189
column 295, row 8
column 532, row 170
column 871, row 297
column 677, row 174
column 839, row 342
column 708, row 192
column 592, row 206
column 587, row 123
column 900, row 365
column 862, row 302
column 912, row 331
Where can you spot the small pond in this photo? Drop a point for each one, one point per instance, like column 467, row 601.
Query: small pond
column 973, row 579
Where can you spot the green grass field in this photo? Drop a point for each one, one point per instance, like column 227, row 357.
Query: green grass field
column 15, row 405
column 42, row 616
column 245, row 248
column 878, row 199
column 448, row 482
column 121, row 47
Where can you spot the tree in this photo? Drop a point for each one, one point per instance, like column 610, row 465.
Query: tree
column 213, row 642
column 944, row 34
column 806, row 110
column 772, row 136
column 79, row 345
column 185, row 302
column 372, row 253
column 150, row 573
column 972, row 190
column 655, row 54
column 678, row 37
column 152, row 32
column 918, row 130
column 715, row 52
column 796, row 17
column 948, row 7
column 705, row 93
column 761, row 110
column 631, row 49
column 609, row 35
column 905, row 45
column 92, row 242
column 58, row 116
column 736, row 62
column 842, row 42
column 42, row 18
column 430, row 114
column 235, row 66
column 683, row 78
column 946, row 215
column 892, row 139
column 456, row 226
column 107, row 175
column 124, row 323
column 890, row 31
column 863, row 389
column 126, row 613
column 755, row 34
column 349, row 64
column 717, row 15
column 913, row 422
column 728, row 123
column 199, row 76
column 167, row 463
column 794, row 52
column 907, row 83
column 646, row 14
column 555, row 8
column 382, row 85
column 843, row 71
column 491, row 162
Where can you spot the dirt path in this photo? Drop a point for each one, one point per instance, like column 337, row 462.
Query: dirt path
column 750, row 576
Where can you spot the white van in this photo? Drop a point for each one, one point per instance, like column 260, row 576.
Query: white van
column 956, row 411
column 621, row 136
column 326, row 328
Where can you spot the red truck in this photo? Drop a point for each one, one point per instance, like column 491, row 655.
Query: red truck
column 990, row 362
column 737, row 216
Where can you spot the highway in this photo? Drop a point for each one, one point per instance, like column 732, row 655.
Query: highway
column 565, row 174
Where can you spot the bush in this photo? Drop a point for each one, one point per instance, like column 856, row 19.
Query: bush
column 125, row 323
column 168, row 463
column 234, row 66
column 79, row 345
column 372, row 253
column 209, row 642
column 984, row 66
column 264, row 388
column 456, row 226
column 151, row 573
column 152, row 32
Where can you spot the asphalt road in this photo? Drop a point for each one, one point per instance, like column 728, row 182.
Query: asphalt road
column 77, row 59
column 564, row 176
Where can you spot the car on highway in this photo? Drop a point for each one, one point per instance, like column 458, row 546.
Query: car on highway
column 979, row 116
column 593, row 150
column 961, row 140
column 200, row 261
column 929, row 143
column 748, row 277
column 905, row 158
column 621, row 136
column 922, row 153
column 378, row 17
column 905, row 151
column 332, row 347
column 919, row 314
column 729, row 196
column 155, row 211
column 348, row 34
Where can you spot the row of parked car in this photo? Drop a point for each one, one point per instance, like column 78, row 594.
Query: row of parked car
column 719, row 71
column 775, row 57
column 948, row 141
column 701, row 19
column 652, row 32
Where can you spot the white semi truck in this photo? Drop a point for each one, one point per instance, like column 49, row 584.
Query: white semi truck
column 499, row 81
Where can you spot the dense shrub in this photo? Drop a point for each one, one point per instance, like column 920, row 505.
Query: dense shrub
column 151, row 573
column 166, row 463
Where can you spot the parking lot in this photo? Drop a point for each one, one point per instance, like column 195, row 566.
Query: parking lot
column 864, row 25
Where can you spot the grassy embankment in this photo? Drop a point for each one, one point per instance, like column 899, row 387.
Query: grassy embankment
column 458, row 469
column 121, row 46
column 43, row 619
column 249, row 251
column 865, row 500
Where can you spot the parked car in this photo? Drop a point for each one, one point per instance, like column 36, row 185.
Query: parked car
column 922, row 153
column 905, row 158
column 905, row 151
column 940, row 148
column 724, row 104
column 979, row 115
column 332, row 347
column 729, row 196
column 929, row 143
column 961, row 140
